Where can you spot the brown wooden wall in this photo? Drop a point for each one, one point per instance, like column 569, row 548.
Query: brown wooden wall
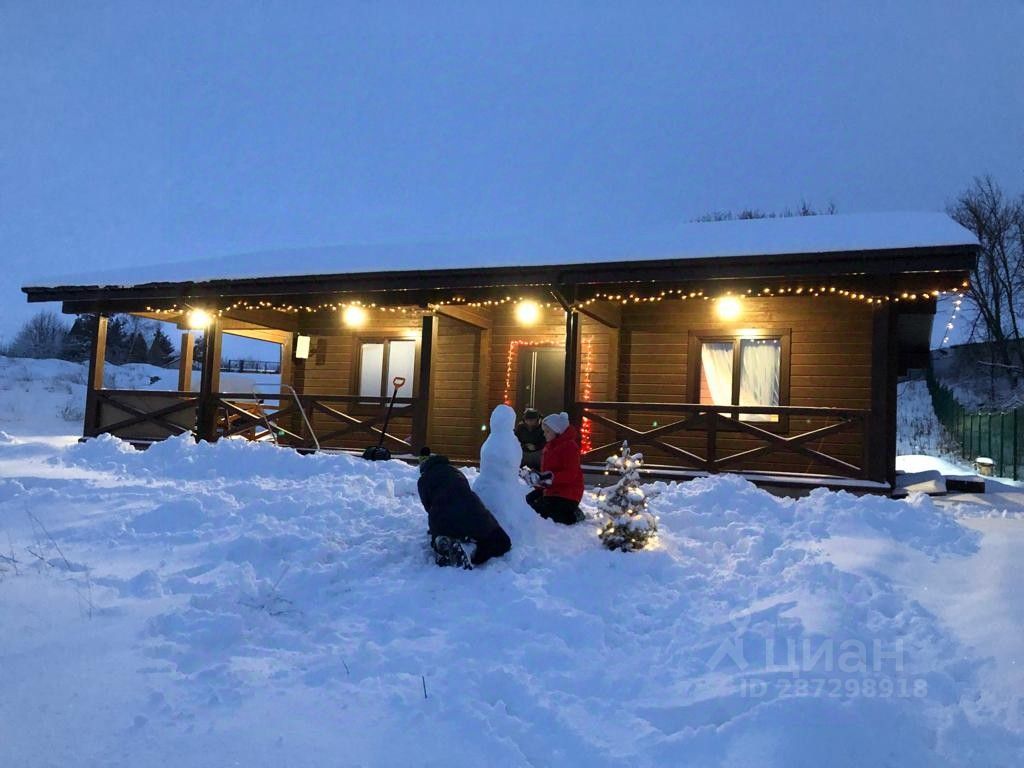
column 830, row 365
column 458, row 403
column 332, row 367
column 548, row 331
column 644, row 361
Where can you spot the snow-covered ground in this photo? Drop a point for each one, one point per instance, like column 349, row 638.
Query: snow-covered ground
column 238, row 604
column 47, row 397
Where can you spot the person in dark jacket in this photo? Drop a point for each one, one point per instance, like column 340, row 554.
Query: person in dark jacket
column 531, row 437
column 456, row 515
column 558, row 488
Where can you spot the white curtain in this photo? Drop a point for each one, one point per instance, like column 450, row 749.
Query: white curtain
column 760, row 361
column 371, row 369
column 716, row 365
column 401, row 362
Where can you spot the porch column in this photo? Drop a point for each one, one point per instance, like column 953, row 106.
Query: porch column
column 287, row 353
column 185, row 362
column 572, row 353
column 209, row 385
column 97, row 356
column 421, row 411
column 881, row 437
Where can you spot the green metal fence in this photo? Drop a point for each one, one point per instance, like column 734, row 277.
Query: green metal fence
column 993, row 434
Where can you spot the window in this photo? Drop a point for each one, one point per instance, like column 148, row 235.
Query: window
column 751, row 368
column 380, row 362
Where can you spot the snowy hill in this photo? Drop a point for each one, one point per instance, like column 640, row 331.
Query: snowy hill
column 240, row 604
column 47, row 397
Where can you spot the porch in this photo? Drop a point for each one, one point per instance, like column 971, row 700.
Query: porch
column 627, row 371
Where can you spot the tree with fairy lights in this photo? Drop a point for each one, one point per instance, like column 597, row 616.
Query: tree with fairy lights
column 629, row 525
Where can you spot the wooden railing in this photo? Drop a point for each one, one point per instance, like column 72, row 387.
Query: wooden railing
column 143, row 414
column 153, row 415
column 255, row 416
column 779, row 436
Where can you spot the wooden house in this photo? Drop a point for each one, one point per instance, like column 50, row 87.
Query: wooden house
column 768, row 347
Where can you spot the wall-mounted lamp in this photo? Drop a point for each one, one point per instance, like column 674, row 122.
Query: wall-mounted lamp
column 527, row 312
column 728, row 308
column 354, row 317
column 198, row 319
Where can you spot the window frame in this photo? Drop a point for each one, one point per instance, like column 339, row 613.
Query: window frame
column 385, row 382
column 700, row 337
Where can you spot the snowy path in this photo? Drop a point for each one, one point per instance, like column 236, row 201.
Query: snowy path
column 238, row 604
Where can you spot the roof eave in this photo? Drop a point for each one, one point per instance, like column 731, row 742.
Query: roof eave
column 896, row 261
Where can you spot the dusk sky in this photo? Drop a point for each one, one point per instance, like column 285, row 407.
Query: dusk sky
column 141, row 133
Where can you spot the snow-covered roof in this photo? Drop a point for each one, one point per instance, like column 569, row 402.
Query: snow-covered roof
column 840, row 233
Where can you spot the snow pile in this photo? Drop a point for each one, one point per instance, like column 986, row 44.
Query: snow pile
column 257, row 607
column 47, row 397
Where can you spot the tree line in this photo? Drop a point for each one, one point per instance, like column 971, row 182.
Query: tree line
column 995, row 297
column 130, row 339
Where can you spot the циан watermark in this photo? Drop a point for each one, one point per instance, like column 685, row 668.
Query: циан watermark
column 816, row 666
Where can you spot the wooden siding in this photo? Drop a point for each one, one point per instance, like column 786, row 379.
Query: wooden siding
column 457, row 407
column 645, row 361
column 457, row 411
column 549, row 330
column 332, row 367
column 830, row 366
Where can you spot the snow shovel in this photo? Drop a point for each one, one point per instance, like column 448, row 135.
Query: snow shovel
column 378, row 452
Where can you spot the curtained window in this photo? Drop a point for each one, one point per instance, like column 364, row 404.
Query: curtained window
column 747, row 369
column 380, row 362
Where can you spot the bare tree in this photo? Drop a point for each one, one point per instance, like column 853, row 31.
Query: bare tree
column 997, row 282
column 804, row 209
column 42, row 336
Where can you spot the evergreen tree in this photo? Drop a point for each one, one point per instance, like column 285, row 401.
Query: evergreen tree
column 629, row 525
column 138, row 351
column 78, row 343
column 118, row 341
column 161, row 350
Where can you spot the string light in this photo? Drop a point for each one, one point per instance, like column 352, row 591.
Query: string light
column 957, row 302
column 586, row 390
column 629, row 298
column 513, row 347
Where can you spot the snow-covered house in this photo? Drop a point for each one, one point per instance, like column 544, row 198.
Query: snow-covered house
column 766, row 346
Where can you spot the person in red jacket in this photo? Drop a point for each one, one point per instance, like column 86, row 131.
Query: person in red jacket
column 559, row 486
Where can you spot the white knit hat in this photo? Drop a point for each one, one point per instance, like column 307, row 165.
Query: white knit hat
column 557, row 422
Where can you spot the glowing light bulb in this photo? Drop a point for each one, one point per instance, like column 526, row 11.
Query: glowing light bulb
column 354, row 317
column 527, row 312
column 198, row 319
column 728, row 308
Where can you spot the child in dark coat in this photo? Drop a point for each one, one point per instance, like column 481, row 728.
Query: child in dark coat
column 531, row 437
column 456, row 515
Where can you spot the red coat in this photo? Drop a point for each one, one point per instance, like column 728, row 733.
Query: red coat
column 561, row 457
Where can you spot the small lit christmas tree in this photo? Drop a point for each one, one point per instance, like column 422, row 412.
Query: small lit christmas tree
column 630, row 526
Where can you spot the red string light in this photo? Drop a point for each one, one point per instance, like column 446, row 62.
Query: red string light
column 513, row 347
column 586, row 388
column 586, row 385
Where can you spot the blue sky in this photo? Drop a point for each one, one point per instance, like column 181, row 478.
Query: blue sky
column 139, row 133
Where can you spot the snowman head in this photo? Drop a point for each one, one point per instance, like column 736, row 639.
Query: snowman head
column 503, row 419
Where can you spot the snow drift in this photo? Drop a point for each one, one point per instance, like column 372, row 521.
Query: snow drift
column 241, row 604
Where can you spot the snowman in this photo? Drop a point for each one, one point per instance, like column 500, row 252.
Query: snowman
column 498, row 485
